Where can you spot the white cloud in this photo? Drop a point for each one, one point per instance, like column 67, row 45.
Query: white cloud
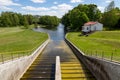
column 57, row 10
column 54, row 7
column 76, row 1
column 101, row 8
column 38, row 1
column 5, row 8
column 8, row 3
column 64, row 7
column 108, row 1
column 55, row 2
column 30, row 8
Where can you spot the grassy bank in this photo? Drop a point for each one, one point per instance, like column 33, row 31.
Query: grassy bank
column 19, row 41
column 102, row 44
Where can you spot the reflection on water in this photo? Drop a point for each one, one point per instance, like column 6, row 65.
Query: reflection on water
column 55, row 35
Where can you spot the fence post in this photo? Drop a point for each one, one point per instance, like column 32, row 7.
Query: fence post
column 85, row 52
column 96, row 54
column 2, row 58
column 112, row 56
column 102, row 55
column 91, row 53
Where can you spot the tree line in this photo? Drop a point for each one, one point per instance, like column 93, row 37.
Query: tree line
column 50, row 21
column 10, row 19
column 75, row 18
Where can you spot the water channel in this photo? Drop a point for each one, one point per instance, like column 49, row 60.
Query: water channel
column 43, row 68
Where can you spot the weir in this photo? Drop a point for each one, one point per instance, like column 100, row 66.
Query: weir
column 43, row 68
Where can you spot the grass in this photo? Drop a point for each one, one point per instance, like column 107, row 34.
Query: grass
column 19, row 41
column 100, row 44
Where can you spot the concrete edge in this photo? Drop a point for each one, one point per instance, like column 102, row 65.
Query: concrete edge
column 38, row 51
column 58, row 69
column 101, row 69
column 73, row 45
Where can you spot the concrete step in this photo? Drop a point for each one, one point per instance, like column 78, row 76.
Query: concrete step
column 76, row 75
column 71, row 65
column 37, row 78
column 39, row 75
column 84, row 78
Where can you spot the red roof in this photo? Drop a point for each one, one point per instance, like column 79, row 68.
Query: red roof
column 90, row 23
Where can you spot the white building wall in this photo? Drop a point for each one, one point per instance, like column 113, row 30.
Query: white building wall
column 95, row 27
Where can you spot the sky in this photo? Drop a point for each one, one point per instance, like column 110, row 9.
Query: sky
column 49, row 7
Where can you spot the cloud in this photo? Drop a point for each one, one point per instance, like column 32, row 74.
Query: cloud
column 57, row 10
column 101, row 8
column 8, row 3
column 38, row 1
column 108, row 1
column 55, row 2
column 5, row 8
column 76, row 1
column 62, row 7
column 30, row 8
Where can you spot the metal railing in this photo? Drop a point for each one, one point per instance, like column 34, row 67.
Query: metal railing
column 13, row 56
column 7, row 56
column 113, row 56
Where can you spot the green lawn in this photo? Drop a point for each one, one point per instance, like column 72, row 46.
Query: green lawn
column 100, row 44
column 19, row 41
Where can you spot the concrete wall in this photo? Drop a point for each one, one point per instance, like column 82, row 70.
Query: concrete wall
column 101, row 69
column 104, row 68
column 13, row 70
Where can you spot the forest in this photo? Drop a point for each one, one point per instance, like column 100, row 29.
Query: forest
column 12, row 19
column 75, row 18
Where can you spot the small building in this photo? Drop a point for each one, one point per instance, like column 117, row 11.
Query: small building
column 92, row 26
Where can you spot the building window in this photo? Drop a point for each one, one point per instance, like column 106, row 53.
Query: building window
column 87, row 28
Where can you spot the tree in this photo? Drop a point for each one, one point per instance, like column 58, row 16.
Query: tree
column 110, row 19
column 9, row 19
column 16, row 19
column 50, row 21
column 29, row 19
column 91, row 10
column 110, row 6
column 25, row 22
column 66, row 20
column 111, row 16
column 6, row 19
column 77, row 19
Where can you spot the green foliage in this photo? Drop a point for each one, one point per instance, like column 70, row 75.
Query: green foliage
column 51, row 21
column 75, row 18
column 91, row 10
column 110, row 6
column 110, row 19
column 25, row 22
column 9, row 19
column 111, row 16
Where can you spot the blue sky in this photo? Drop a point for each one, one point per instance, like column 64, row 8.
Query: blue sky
column 49, row 7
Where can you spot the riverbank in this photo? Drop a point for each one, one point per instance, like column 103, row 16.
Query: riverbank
column 101, row 44
column 19, row 41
